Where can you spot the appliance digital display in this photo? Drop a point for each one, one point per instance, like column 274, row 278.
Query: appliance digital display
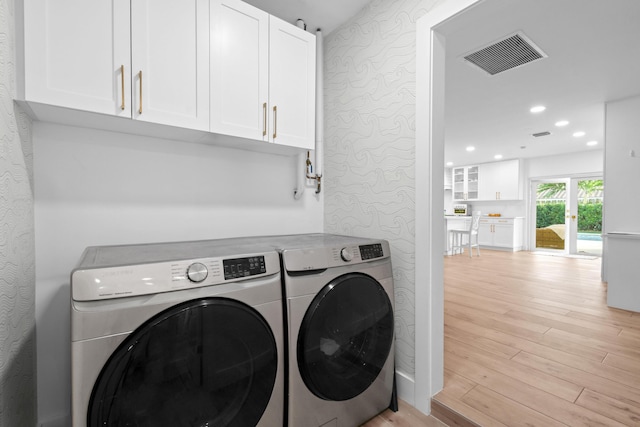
column 371, row 251
column 243, row 267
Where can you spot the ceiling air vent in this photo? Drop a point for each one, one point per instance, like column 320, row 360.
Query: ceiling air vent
column 539, row 134
column 510, row 52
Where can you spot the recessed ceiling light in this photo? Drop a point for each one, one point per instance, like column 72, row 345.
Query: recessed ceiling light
column 579, row 134
column 538, row 109
column 497, row 156
column 592, row 143
column 471, row 148
column 561, row 123
column 449, row 163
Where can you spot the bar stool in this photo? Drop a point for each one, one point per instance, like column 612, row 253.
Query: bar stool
column 471, row 234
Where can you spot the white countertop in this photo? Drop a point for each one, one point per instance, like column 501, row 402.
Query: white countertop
column 623, row 234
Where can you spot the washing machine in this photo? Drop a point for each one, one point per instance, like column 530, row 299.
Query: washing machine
column 340, row 304
column 178, row 334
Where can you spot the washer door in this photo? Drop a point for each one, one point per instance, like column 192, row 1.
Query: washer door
column 207, row 362
column 345, row 337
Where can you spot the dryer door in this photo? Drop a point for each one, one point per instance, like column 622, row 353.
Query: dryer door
column 207, row 362
column 345, row 337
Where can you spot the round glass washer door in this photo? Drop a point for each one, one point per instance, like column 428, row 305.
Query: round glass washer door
column 345, row 337
column 206, row 362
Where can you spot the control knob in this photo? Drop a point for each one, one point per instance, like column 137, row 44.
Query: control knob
column 197, row 272
column 346, row 255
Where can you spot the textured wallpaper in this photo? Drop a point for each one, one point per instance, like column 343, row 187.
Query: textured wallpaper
column 369, row 174
column 17, row 275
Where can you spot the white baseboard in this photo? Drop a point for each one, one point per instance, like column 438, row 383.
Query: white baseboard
column 406, row 388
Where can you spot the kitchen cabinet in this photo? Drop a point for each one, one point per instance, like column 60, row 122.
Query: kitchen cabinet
column 500, row 181
column 141, row 59
column 262, row 76
column 465, row 183
column 77, row 55
column 239, row 69
column 501, row 233
column 170, row 62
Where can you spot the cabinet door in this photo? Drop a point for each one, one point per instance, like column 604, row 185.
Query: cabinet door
column 485, row 233
column 503, row 234
column 473, row 181
column 75, row 52
column 239, row 69
column 459, row 183
column 488, row 186
column 292, row 94
column 509, row 180
column 170, row 62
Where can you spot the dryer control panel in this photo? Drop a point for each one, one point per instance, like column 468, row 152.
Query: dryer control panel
column 327, row 257
column 371, row 251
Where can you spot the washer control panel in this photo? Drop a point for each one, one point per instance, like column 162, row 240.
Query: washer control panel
column 243, row 267
column 197, row 272
column 346, row 255
column 143, row 279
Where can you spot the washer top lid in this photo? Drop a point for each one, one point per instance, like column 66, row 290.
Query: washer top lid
column 123, row 255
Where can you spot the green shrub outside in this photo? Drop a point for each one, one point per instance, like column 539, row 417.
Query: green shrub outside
column 549, row 213
column 589, row 216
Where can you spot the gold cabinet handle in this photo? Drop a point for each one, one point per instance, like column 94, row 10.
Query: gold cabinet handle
column 140, row 78
column 275, row 121
column 122, row 82
column 264, row 119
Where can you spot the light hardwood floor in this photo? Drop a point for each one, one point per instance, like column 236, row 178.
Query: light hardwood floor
column 529, row 341
column 407, row 416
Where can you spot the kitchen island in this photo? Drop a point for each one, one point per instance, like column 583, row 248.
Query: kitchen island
column 499, row 233
column 454, row 222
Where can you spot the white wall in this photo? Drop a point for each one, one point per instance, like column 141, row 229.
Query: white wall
column 622, row 170
column 99, row 188
column 589, row 161
column 17, row 280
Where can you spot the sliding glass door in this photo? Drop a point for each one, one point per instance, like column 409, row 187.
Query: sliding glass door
column 568, row 215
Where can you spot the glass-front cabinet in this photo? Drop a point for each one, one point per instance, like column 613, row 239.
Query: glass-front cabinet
column 465, row 183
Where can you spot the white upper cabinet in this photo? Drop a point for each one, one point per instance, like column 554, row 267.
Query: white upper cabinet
column 465, row 183
column 86, row 55
column 170, row 62
column 292, row 89
column 77, row 55
column 219, row 66
column 239, row 69
column 262, row 76
column 500, row 180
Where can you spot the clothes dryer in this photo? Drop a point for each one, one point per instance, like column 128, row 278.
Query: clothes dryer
column 340, row 304
column 177, row 334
